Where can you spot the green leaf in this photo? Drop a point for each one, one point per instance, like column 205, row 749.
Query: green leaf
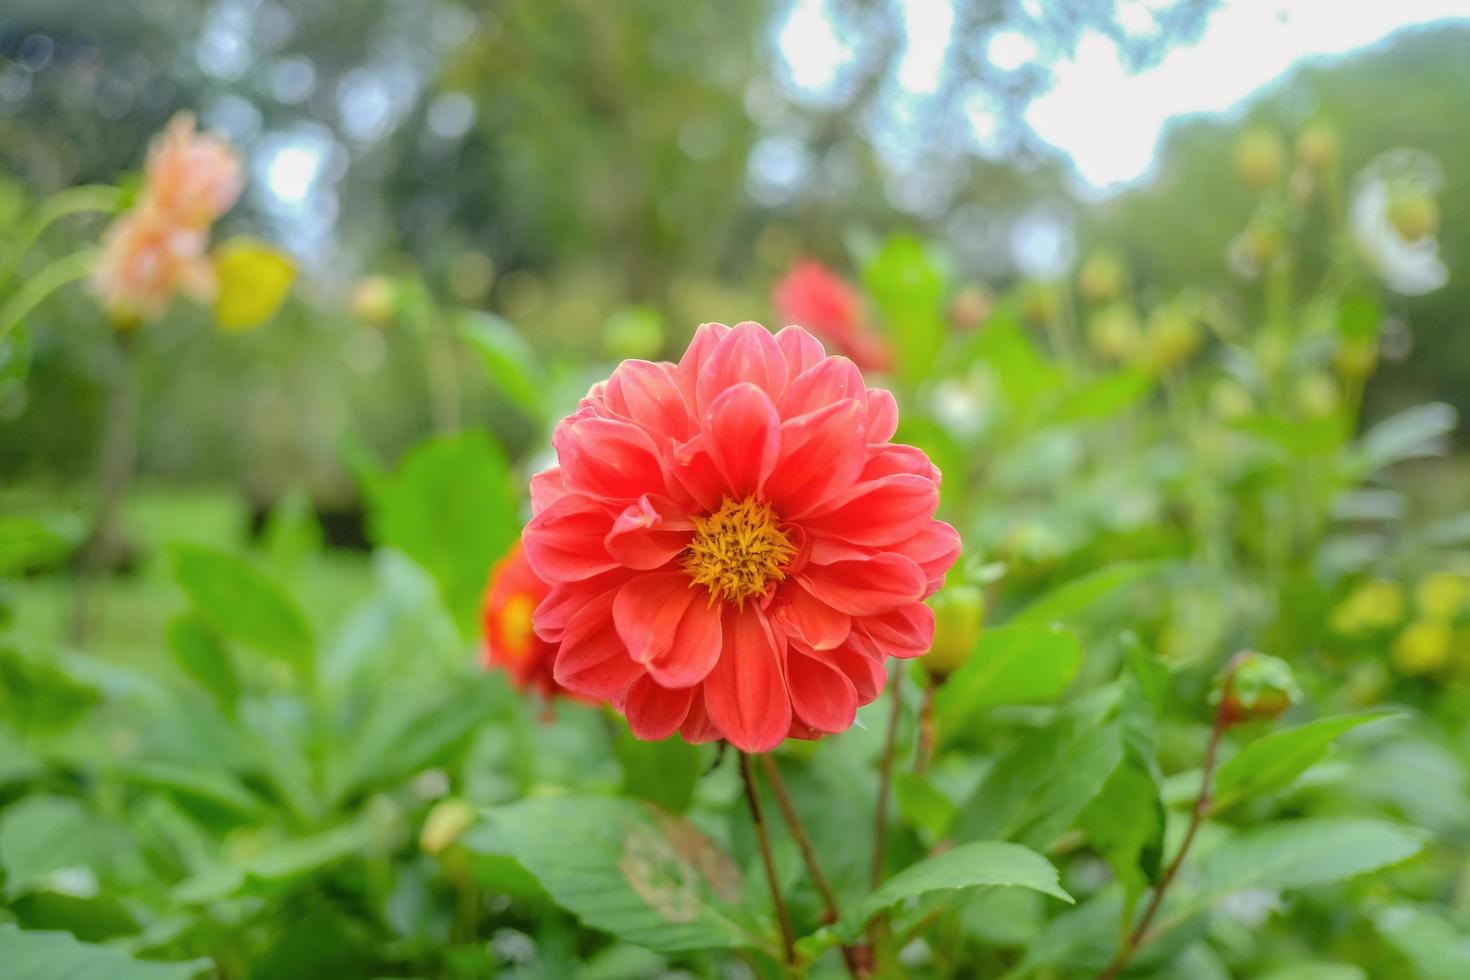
column 629, row 869
column 43, row 834
column 1298, row 437
column 199, row 653
column 1104, row 398
column 1273, row 761
column 1024, row 375
column 211, row 787
column 663, row 772
column 1072, row 600
column 58, row 956
column 978, row 864
column 409, row 728
column 293, row 535
column 1438, row 949
column 508, row 359
column 450, row 507
column 922, row 805
column 1295, row 854
column 30, row 542
column 1037, row 789
column 907, row 285
column 41, row 693
column 244, row 604
column 1125, row 824
column 1009, row 665
column 1414, row 433
column 281, row 866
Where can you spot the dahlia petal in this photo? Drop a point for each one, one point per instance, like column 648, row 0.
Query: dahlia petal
column 648, row 533
column 647, row 611
column 802, row 350
column 695, row 647
column 747, row 354
column 882, row 414
column 647, row 395
column 697, row 728
column 693, row 476
column 893, row 458
column 592, row 660
column 691, row 365
column 881, row 512
column 608, row 459
column 746, row 693
column 867, row 674
column 655, row 712
column 828, row 381
column 744, row 438
column 820, row 451
column 564, row 542
column 821, row 695
column 867, row 587
column 907, row 631
column 564, row 601
column 811, row 620
column 934, row 549
column 546, row 489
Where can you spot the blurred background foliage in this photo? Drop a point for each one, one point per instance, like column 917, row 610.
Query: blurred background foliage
column 1177, row 418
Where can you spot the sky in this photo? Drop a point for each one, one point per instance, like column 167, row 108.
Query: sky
column 1105, row 119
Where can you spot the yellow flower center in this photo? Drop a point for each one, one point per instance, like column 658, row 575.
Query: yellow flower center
column 738, row 551
column 515, row 624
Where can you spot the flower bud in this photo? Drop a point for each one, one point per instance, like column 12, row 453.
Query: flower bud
column 1171, row 337
column 959, row 611
column 1318, row 147
column 1357, row 358
column 970, row 307
column 1441, row 595
column 1258, row 687
column 1259, row 158
column 374, row 300
column 1039, row 302
column 448, row 819
column 1113, row 333
column 1315, row 395
column 1414, row 214
column 1102, row 277
column 1423, row 648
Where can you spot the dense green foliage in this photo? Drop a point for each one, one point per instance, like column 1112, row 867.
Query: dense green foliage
column 245, row 727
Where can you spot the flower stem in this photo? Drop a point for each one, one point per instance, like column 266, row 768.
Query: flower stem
column 45, row 282
column 855, row 957
column 1139, row 937
column 115, row 474
column 885, row 780
column 925, row 754
column 757, row 816
column 76, row 200
column 803, row 842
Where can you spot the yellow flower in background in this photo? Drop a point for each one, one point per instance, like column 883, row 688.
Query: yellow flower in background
column 1260, row 158
column 1423, row 648
column 445, row 823
column 1441, row 595
column 253, row 281
column 1372, row 606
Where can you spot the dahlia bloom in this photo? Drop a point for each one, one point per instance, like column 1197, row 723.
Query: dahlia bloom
column 191, row 176
column 146, row 259
column 812, row 296
column 512, row 596
column 156, row 249
column 734, row 546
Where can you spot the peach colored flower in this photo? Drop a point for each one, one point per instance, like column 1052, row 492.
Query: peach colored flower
column 193, row 177
column 812, row 296
column 513, row 594
column 733, row 543
column 146, row 259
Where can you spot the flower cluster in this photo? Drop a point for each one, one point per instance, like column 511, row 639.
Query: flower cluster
column 159, row 247
column 734, row 545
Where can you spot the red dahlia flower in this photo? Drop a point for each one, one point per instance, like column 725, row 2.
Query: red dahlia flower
column 733, row 544
column 814, row 297
column 510, row 643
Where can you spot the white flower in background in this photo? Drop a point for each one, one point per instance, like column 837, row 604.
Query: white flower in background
column 1393, row 219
